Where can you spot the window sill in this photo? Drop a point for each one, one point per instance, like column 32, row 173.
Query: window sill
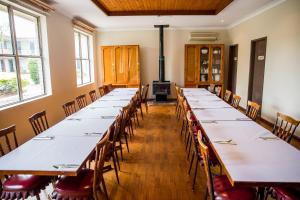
column 86, row 84
column 25, row 102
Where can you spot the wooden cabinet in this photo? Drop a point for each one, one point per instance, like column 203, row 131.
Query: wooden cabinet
column 121, row 65
column 204, row 65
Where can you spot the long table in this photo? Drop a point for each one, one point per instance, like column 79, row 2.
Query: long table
column 65, row 147
column 249, row 159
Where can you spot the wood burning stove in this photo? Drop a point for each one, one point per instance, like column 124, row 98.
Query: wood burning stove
column 161, row 88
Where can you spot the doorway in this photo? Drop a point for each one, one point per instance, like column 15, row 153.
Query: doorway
column 257, row 70
column 232, row 70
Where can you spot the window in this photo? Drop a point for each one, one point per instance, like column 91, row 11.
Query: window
column 83, row 49
column 22, row 73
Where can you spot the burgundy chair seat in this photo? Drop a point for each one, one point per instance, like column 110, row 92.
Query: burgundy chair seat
column 237, row 194
column 22, row 186
column 75, row 187
column 221, row 183
column 225, row 191
column 285, row 193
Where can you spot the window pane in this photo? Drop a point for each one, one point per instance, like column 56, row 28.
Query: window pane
column 84, row 46
column 8, row 81
column 26, row 34
column 86, row 71
column 77, row 52
column 78, row 72
column 5, row 35
column 32, row 77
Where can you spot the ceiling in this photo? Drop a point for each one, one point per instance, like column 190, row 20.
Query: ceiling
column 234, row 13
column 161, row 7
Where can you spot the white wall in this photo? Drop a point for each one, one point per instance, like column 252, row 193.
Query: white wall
column 149, row 51
column 281, row 26
column 63, row 78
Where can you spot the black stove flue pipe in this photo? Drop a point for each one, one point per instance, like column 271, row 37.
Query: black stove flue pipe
column 161, row 52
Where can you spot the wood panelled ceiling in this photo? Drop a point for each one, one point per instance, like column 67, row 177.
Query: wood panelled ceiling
column 161, row 7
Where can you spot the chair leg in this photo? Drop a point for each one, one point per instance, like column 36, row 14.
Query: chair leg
column 104, row 187
column 195, row 174
column 182, row 127
column 146, row 104
column 38, row 197
column 137, row 119
column 117, row 158
column 187, row 141
column 115, row 166
column 142, row 112
column 191, row 163
column 125, row 135
column 190, row 147
column 121, row 150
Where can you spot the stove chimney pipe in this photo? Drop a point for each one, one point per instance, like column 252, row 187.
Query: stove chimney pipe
column 161, row 52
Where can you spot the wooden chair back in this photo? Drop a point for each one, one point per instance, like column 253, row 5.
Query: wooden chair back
column 93, row 95
column 252, row 110
column 106, row 89
column 4, row 133
column 81, row 101
column 227, row 96
column 39, row 122
column 205, row 157
column 145, row 93
column 235, row 101
column 218, row 91
column 285, row 127
column 69, row 108
column 101, row 152
column 101, row 91
column 110, row 87
column 211, row 88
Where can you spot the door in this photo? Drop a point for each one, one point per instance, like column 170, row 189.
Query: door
column 120, row 65
column 108, row 64
column 232, row 70
column 191, row 65
column 132, row 63
column 257, row 70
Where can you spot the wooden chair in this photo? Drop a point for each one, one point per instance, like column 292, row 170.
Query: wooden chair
column 218, row 90
column 19, row 186
column 224, row 190
column 252, row 110
column 235, row 101
column 39, row 122
column 227, row 96
column 106, row 89
column 93, row 95
column 145, row 96
column 211, row 88
column 110, row 87
column 81, row 101
column 69, row 108
column 285, row 127
column 101, row 91
column 88, row 182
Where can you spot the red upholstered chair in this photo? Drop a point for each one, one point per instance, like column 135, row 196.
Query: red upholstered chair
column 101, row 91
column 88, row 182
column 81, row 101
column 285, row 193
column 69, row 108
column 39, row 122
column 219, row 187
column 19, row 186
column 106, row 89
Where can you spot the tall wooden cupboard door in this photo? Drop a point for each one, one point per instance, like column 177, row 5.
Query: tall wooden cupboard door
column 120, row 65
column 108, row 64
column 191, row 65
column 133, row 64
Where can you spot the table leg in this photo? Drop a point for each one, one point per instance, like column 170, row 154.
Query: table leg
column 261, row 193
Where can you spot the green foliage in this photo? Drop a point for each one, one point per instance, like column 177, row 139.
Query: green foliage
column 8, row 86
column 34, row 71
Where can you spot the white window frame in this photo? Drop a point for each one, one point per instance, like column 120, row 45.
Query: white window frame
column 90, row 58
column 43, row 52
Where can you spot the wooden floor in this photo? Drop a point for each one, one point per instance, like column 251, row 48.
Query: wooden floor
column 156, row 167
